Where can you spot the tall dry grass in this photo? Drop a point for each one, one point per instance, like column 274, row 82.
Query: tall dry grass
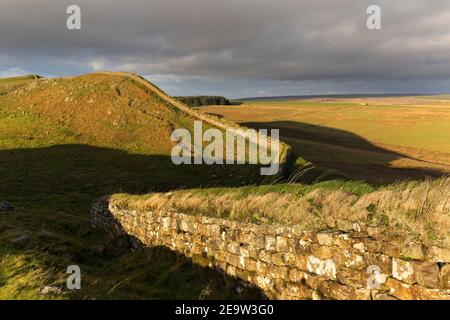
column 414, row 209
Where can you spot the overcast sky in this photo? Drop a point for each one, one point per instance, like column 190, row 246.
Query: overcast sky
column 237, row 48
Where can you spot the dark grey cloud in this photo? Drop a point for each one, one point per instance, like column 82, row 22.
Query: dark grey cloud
column 284, row 45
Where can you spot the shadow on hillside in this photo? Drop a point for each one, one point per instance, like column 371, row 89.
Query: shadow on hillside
column 53, row 189
column 348, row 153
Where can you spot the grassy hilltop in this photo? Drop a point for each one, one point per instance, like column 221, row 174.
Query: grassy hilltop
column 64, row 143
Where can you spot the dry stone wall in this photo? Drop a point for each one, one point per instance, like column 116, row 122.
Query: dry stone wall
column 288, row 262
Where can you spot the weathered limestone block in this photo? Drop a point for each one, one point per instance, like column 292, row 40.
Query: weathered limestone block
column 326, row 268
column 231, row 270
column 265, row 256
column 352, row 277
column 399, row 289
column 379, row 260
column 349, row 259
column 296, row 275
column 298, row 291
column 261, row 268
column 271, row 243
column 436, row 254
column 427, row 274
column 360, row 247
column 234, row 247
column 213, row 231
column 422, row 293
column 321, row 252
column 278, row 259
column 403, row 270
column 313, row 281
column 202, row 229
column 296, row 261
column 302, row 247
column 259, row 242
column 282, row 244
column 444, row 277
column 335, row 290
column 391, row 248
column 276, row 272
column 413, row 250
column 248, row 237
column 264, row 283
column 381, row 295
column 325, row 238
column 250, row 264
column 342, row 241
column 233, row 260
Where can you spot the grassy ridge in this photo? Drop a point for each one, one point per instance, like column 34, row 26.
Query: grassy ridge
column 66, row 142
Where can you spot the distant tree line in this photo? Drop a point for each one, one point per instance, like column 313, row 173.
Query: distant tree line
column 197, row 101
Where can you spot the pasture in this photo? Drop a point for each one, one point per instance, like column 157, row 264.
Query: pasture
column 379, row 139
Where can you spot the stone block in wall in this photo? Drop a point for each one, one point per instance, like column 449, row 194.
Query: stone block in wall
column 276, row 272
column 322, row 252
column 399, row 289
column 234, row 247
column 422, row 293
column 403, row 270
column 335, row 290
column 297, row 291
column 233, row 260
column 265, row 256
column 265, row 283
column 202, row 229
column 342, row 241
column 282, row 244
column 391, row 247
column 259, row 242
column 352, row 277
column 261, row 268
column 380, row 260
column 278, row 259
column 313, row 281
column 296, row 275
column 325, row 238
column 248, row 237
column 349, row 259
column 213, row 230
column 413, row 250
column 326, row 268
column 444, row 277
column 382, row 295
column 426, row 274
column 250, row 264
column 270, row 243
column 359, row 246
column 436, row 254
column 302, row 247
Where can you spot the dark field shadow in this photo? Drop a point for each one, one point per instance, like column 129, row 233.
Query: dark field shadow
column 349, row 153
column 53, row 189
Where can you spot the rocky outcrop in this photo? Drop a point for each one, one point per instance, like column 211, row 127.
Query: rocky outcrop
column 288, row 262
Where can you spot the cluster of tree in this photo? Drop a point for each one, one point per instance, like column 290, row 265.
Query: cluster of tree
column 197, row 101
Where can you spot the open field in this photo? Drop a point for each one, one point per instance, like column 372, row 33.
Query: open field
column 376, row 139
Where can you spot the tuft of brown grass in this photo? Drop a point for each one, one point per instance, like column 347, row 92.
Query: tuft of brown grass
column 419, row 210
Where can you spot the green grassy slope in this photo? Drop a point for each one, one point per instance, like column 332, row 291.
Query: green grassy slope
column 66, row 142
